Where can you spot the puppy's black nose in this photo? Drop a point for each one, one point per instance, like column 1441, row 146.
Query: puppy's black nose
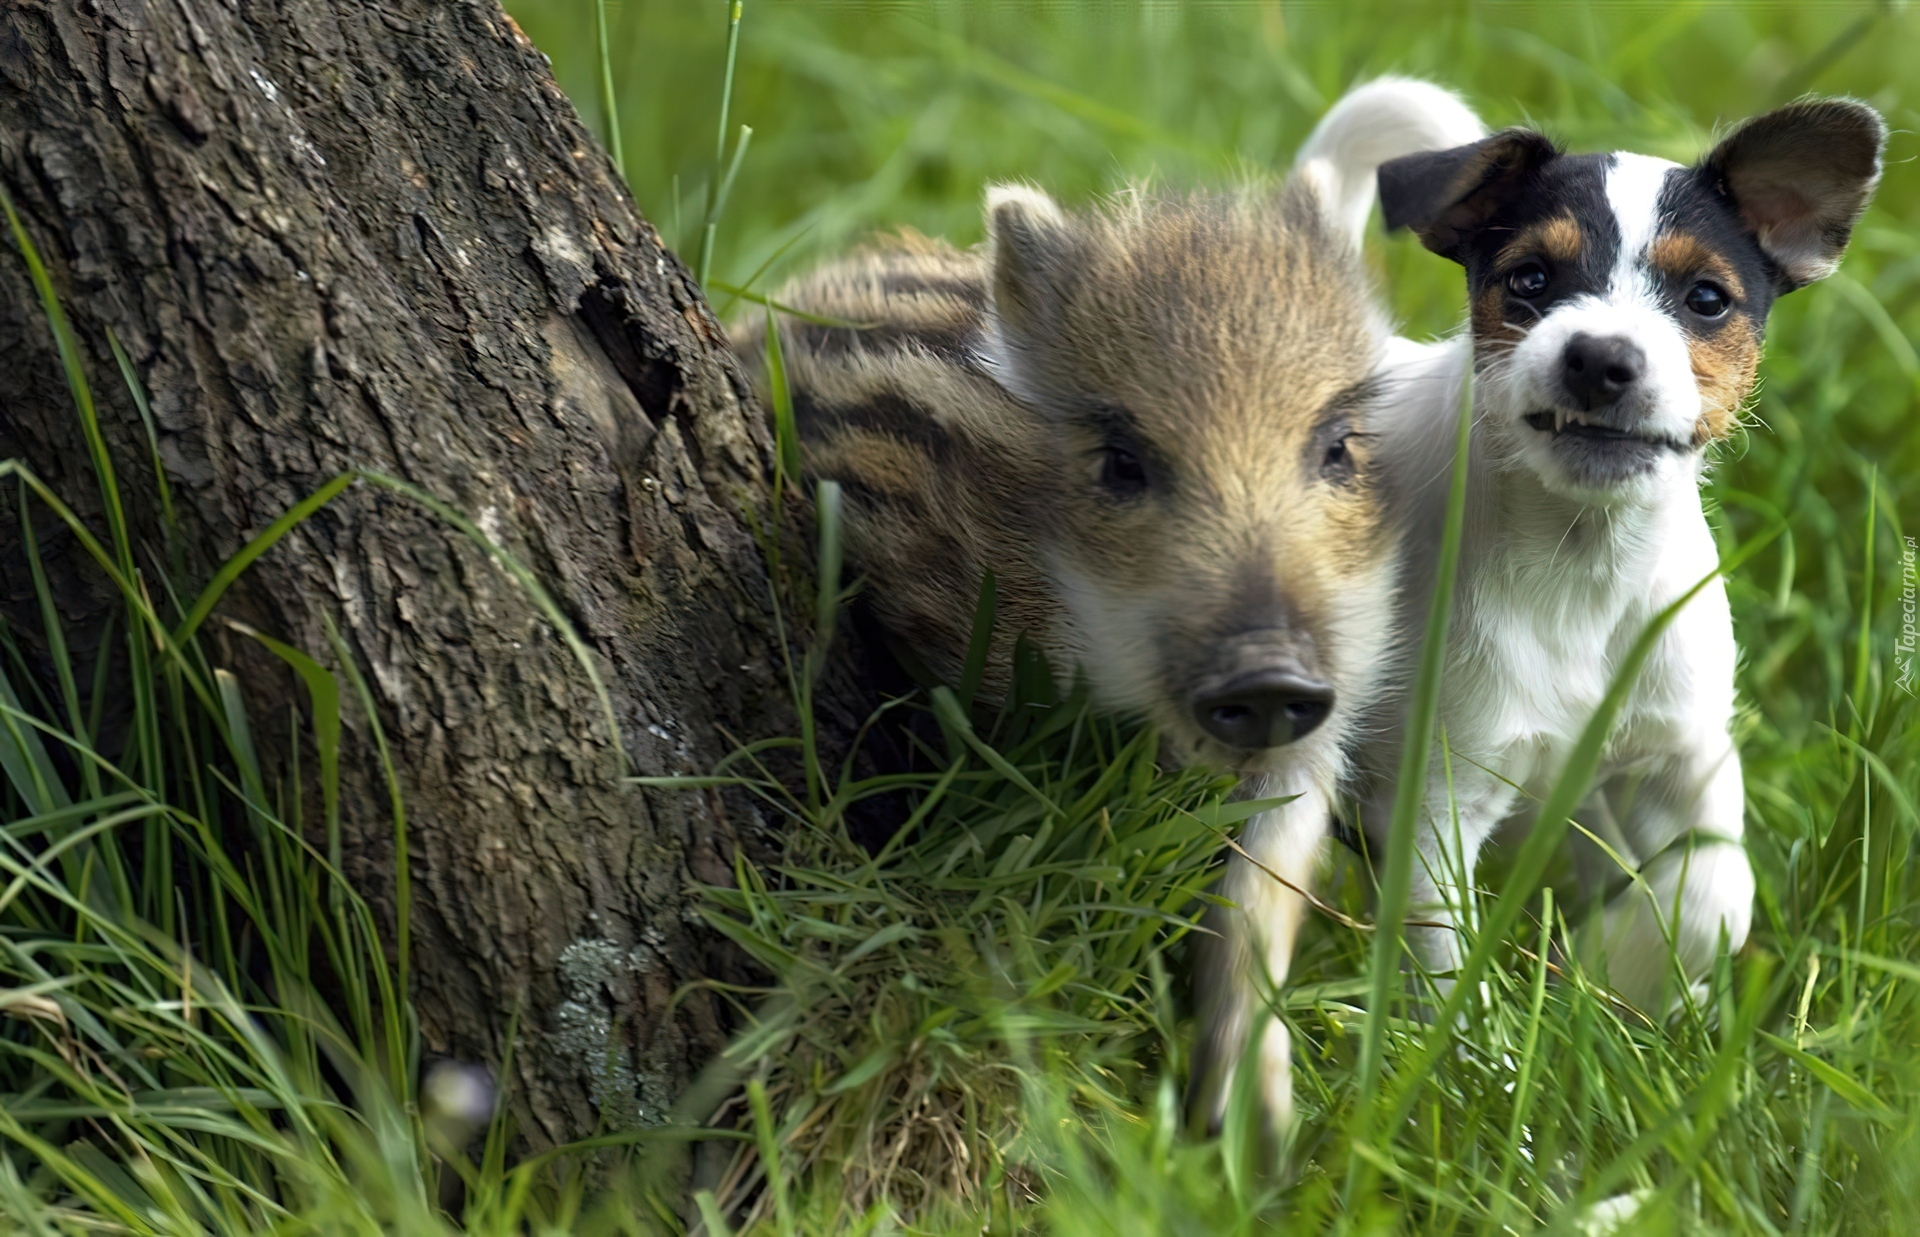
column 1267, row 708
column 1598, row 369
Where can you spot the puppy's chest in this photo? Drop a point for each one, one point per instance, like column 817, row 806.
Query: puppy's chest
column 1530, row 669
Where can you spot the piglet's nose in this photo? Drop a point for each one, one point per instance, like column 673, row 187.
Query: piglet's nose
column 1266, row 708
column 1598, row 369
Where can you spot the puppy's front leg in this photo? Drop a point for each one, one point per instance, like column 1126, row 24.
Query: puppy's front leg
column 1454, row 824
column 1683, row 819
column 1244, row 963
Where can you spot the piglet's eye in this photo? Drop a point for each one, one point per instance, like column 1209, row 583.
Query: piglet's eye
column 1122, row 472
column 1527, row 280
column 1337, row 464
column 1707, row 300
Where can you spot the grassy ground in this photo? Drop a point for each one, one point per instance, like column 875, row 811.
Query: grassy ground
column 983, row 1029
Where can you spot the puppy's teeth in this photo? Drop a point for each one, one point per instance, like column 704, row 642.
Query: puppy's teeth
column 1560, row 420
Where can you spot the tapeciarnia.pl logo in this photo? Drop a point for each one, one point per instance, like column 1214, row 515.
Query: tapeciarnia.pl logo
column 1903, row 644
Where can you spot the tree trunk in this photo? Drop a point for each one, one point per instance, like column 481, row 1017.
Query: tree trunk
column 373, row 233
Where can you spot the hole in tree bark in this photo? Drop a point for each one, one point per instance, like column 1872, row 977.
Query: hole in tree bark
column 648, row 372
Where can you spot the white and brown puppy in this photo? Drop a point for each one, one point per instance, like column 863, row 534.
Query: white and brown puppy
column 1149, row 421
column 1617, row 305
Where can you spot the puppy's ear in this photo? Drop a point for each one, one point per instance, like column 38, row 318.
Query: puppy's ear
column 1800, row 176
column 1031, row 242
column 1447, row 196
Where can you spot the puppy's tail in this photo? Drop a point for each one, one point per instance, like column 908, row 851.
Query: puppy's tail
column 1384, row 119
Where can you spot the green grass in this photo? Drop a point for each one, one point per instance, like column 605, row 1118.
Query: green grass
column 982, row 1027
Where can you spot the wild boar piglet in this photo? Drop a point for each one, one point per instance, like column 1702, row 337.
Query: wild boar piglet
column 1149, row 420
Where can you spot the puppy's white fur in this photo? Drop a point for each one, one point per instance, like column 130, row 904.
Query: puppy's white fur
column 1553, row 589
column 1557, row 580
column 1571, row 551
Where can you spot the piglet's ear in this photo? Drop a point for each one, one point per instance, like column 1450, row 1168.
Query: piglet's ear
column 1800, row 176
column 1031, row 243
column 1448, row 196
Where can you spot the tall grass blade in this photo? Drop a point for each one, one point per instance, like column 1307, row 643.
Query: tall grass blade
column 722, row 178
column 139, row 393
column 323, row 701
column 24, row 757
column 1409, row 799
column 786, row 434
column 826, row 505
column 980, row 642
column 726, row 182
column 609, row 105
column 402, row 865
column 70, row 360
column 236, row 566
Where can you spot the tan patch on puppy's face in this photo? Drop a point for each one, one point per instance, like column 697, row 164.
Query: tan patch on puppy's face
column 1492, row 333
column 1724, row 365
column 1554, row 243
column 1724, row 352
column 1680, row 256
column 1556, row 239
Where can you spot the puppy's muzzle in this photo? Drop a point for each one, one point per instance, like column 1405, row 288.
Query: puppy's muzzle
column 1605, row 398
column 1601, row 371
column 1268, row 707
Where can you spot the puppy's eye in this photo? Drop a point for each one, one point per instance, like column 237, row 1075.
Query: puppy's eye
column 1707, row 300
column 1527, row 280
column 1122, row 472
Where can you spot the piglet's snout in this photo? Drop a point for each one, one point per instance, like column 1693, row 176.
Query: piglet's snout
column 1262, row 702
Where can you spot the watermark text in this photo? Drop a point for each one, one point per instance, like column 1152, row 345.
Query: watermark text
column 1904, row 641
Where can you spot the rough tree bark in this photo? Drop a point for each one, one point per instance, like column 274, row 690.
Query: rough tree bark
column 373, row 233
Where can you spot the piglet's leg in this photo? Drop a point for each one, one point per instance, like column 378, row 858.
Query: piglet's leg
column 1242, row 967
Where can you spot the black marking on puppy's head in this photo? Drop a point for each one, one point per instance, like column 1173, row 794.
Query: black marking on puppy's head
column 1449, row 196
column 1768, row 210
column 1799, row 178
column 1532, row 226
